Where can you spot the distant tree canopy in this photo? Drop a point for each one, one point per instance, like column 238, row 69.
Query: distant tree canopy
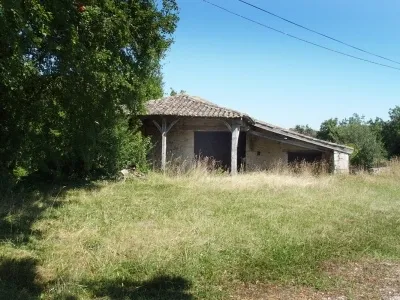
column 357, row 133
column 305, row 129
column 373, row 141
column 329, row 130
column 390, row 132
column 69, row 73
column 174, row 93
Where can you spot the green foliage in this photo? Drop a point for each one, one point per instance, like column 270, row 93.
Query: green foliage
column 359, row 134
column 174, row 92
column 377, row 126
column 69, row 73
column 133, row 148
column 305, row 129
column 329, row 131
column 373, row 141
column 391, row 132
column 368, row 148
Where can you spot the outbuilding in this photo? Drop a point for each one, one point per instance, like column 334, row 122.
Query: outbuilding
column 189, row 127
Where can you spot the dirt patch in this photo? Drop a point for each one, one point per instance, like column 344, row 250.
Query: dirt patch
column 354, row 280
column 263, row 291
column 368, row 279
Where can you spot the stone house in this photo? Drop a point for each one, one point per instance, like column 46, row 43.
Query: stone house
column 188, row 127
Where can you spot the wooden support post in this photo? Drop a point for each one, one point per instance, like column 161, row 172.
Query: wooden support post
column 163, row 144
column 234, row 128
column 235, row 141
column 164, row 130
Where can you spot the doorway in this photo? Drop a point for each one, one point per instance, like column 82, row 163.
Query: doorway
column 217, row 146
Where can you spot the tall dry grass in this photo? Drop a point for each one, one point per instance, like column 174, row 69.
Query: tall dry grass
column 392, row 168
column 211, row 230
column 209, row 166
column 195, row 167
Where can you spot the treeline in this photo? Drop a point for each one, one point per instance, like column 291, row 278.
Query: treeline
column 73, row 78
column 374, row 141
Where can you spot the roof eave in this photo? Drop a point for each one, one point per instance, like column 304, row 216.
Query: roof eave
column 305, row 139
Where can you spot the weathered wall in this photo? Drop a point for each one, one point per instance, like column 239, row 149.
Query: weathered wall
column 341, row 162
column 180, row 145
column 199, row 124
column 262, row 153
column 180, row 139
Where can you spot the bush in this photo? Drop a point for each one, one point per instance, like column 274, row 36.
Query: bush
column 133, row 148
column 7, row 182
column 368, row 150
column 357, row 133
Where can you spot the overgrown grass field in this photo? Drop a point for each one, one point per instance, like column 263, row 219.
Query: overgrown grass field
column 194, row 236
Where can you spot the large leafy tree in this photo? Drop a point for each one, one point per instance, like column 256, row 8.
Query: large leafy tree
column 356, row 132
column 329, row 131
column 69, row 73
column 391, row 132
column 364, row 138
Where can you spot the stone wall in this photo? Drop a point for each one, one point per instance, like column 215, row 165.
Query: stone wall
column 262, row 153
column 341, row 162
column 180, row 139
column 180, row 145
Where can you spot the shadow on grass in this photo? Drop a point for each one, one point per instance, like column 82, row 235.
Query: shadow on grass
column 160, row 287
column 26, row 203
column 19, row 279
column 20, row 208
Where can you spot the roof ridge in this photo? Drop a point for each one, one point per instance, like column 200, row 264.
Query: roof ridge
column 195, row 106
column 202, row 100
column 211, row 104
column 199, row 99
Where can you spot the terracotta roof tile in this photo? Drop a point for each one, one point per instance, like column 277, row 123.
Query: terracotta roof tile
column 189, row 106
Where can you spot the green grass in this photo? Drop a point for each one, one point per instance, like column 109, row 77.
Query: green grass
column 192, row 237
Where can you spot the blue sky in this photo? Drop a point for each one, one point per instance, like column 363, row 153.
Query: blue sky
column 243, row 66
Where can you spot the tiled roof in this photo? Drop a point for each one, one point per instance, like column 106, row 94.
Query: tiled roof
column 305, row 138
column 184, row 105
column 189, row 106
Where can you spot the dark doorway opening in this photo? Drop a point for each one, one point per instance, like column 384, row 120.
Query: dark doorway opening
column 306, row 156
column 216, row 145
